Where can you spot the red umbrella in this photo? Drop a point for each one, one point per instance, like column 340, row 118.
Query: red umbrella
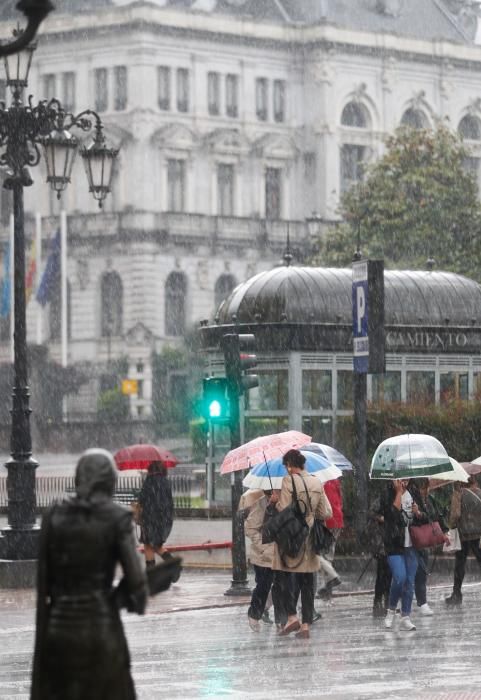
column 141, row 456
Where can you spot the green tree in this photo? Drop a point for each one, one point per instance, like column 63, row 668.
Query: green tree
column 416, row 202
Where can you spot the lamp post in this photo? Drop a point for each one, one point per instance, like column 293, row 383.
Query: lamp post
column 35, row 12
column 25, row 130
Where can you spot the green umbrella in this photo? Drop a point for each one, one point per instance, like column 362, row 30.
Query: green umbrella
column 408, row 457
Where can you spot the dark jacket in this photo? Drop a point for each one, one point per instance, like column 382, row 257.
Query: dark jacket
column 80, row 647
column 465, row 513
column 396, row 521
column 157, row 510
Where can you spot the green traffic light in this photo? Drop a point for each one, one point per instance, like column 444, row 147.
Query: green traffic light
column 215, row 409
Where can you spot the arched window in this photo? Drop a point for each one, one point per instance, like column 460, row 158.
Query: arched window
column 415, row 119
column 111, row 310
column 470, row 128
column 55, row 312
column 175, row 297
column 223, row 287
column 355, row 114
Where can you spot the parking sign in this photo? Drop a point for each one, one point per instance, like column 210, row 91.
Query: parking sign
column 368, row 316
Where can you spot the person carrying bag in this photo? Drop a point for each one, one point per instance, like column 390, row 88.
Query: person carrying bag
column 304, row 495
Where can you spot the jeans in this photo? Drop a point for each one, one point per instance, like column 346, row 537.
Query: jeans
column 265, row 579
column 460, row 561
column 403, row 568
column 421, row 576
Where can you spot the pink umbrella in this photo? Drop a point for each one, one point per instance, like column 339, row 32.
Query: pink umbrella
column 262, row 448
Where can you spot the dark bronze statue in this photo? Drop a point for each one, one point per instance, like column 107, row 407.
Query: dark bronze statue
column 80, row 648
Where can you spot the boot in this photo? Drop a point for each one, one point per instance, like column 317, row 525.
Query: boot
column 456, row 598
column 166, row 556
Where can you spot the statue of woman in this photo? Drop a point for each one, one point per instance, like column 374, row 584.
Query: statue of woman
column 80, row 648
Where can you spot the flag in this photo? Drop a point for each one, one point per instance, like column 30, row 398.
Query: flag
column 49, row 281
column 6, row 292
column 30, row 273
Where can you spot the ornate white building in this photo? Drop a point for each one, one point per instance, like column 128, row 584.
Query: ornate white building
column 236, row 119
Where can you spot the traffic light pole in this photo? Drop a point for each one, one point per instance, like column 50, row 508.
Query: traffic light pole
column 239, row 584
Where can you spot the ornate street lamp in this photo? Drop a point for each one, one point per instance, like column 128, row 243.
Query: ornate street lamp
column 314, row 225
column 35, row 11
column 26, row 129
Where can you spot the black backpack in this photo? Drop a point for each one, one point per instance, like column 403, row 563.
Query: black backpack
column 288, row 528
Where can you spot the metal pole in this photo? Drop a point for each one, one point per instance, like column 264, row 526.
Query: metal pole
column 239, row 583
column 360, row 459
column 20, row 538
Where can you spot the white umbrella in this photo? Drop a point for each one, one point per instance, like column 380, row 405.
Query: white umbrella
column 408, row 457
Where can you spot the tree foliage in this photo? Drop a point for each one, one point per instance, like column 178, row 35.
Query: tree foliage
column 416, row 202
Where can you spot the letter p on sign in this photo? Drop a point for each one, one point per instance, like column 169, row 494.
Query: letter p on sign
column 360, row 307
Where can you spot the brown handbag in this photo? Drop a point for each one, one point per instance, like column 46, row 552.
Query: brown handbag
column 427, row 535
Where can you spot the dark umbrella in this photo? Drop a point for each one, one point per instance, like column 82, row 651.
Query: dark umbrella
column 141, row 456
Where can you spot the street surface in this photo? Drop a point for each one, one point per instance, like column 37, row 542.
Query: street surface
column 195, row 643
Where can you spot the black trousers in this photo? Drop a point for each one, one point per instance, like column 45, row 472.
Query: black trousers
column 265, row 580
column 421, row 576
column 460, row 561
column 294, row 584
column 383, row 580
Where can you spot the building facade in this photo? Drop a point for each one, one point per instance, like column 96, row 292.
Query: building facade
column 235, row 121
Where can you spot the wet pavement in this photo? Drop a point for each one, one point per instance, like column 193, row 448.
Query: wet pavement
column 195, row 643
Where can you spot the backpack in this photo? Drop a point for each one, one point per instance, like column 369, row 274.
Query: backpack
column 288, row 528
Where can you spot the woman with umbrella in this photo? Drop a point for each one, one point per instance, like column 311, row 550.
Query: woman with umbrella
column 156, row 513
column 311, row 493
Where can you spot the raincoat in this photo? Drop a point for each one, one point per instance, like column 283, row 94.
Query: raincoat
column 260, row 554
column 307, row 561
column 80, row 647
column 157, row 505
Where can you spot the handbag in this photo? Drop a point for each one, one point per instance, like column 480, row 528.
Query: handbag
column 454, row 541
column 322, row 537
column 287, row 528
column 427, row 535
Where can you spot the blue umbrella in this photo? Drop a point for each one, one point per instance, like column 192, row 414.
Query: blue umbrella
column 268, row 475
column 329, row 453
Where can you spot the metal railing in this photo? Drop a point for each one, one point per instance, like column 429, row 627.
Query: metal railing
column 54, row 488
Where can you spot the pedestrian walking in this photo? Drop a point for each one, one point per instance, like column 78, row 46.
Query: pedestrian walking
column 261, row 557
column 373, row 538
column 400, row 510
column 80, row 647
column 465, row 514
column 156, row 513
column 296, row 574
column 333, row 492
column 419, row 489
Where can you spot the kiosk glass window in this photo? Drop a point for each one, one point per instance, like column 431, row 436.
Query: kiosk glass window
column 420, row 387
column 453, row 386
column 386, row 388
column 271, row 394
column 344, row 390
column 316, row 389
column 255, row 427
column 319, row 427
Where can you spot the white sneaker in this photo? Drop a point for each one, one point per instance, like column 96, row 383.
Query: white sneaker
column 255, row 625
column 389, row 619
column 406, row 625
column 426, row 610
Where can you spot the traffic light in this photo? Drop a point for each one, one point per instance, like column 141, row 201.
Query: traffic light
column 215, row 402
column 239, row 357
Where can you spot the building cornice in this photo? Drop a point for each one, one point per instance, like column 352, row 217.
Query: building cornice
column 224, row 29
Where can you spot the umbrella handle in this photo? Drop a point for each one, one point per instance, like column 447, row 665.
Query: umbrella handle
column 268, row 472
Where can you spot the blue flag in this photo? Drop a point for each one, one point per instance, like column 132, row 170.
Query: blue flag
column 49, row 282
column 6, row 294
